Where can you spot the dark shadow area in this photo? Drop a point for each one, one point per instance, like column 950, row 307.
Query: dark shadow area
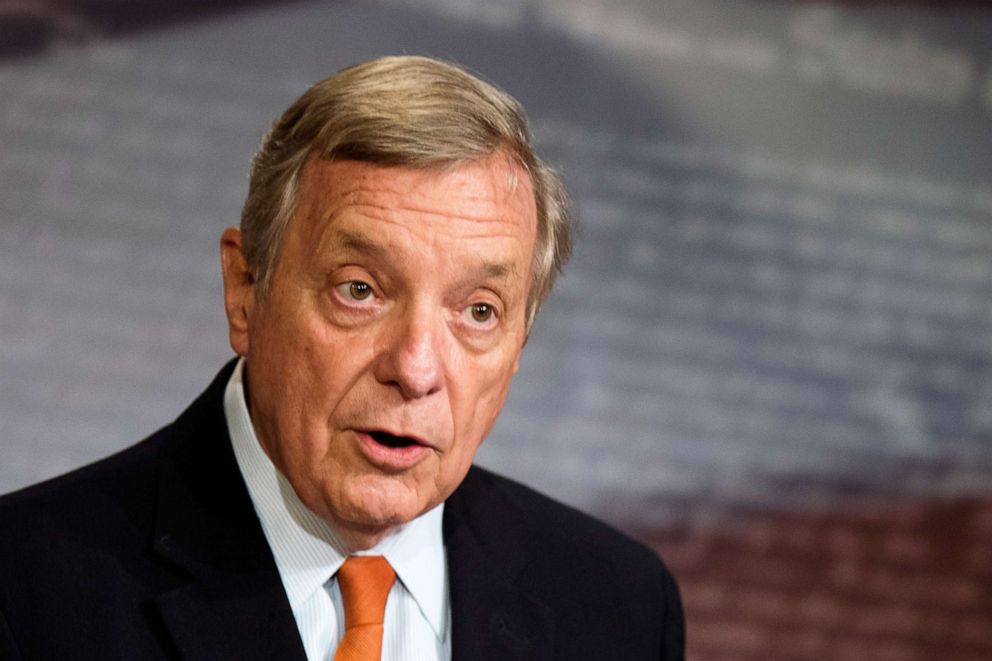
column 31, row 27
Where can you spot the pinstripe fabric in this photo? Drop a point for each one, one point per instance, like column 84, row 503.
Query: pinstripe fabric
column 308, row 554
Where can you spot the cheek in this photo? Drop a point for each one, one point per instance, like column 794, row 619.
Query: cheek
column 303, row 390
column 481, row 403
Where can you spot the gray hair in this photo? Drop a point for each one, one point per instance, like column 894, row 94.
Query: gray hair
column 404, row 111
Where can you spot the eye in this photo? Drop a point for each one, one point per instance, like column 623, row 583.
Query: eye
column 481, row 314
column 355, row 290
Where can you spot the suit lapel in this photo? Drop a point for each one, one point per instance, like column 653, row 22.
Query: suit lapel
column 494, row 616
column 231, row 603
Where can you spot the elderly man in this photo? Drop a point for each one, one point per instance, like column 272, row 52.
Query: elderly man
column 318, row 501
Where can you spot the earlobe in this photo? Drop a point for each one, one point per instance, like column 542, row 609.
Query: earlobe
column 239, row 288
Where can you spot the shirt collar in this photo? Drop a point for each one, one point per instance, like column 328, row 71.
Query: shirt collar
column 307, row 551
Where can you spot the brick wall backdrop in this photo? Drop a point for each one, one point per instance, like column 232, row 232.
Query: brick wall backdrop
column 907, row 581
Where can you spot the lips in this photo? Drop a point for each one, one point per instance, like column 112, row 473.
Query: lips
column 392, row 440
column 390, row 451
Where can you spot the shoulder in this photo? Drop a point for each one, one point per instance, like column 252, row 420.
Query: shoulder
column 107, row 507
column 73, row 545
column 108, row 476
column 506, row 513
column 528, row 511
column 109, row 497
column 611, row 592
column 124, row 482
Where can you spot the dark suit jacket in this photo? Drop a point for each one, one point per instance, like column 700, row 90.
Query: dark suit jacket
column 156, row 553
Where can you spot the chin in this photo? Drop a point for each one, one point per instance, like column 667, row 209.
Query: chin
column 380, row 503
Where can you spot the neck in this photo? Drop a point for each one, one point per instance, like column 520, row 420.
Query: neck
column 359, row 540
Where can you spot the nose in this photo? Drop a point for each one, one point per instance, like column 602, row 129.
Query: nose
column 411, row 357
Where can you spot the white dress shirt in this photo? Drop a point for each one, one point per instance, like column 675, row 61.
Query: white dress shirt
column 308, row 553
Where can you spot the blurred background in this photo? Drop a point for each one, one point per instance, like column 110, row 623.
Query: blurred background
column 770, row 357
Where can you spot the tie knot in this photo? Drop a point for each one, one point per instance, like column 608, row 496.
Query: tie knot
column 365, row 581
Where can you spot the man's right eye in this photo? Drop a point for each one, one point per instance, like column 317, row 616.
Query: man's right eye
column 355, row 290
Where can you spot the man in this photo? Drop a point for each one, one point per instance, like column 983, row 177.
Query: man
column 318, row 500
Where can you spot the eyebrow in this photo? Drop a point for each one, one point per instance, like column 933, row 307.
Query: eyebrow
column 360, row 243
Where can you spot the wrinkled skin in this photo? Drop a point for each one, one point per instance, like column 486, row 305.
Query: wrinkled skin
column 381, row 355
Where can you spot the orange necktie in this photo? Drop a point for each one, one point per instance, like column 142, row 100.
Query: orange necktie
column 365, row 583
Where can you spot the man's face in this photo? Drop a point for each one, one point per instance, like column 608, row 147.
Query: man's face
column 393, row 325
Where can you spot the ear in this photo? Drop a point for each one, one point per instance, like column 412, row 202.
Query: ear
column 239, row 289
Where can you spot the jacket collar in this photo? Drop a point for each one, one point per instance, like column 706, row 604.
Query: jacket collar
column 232, row 603
column 494, row 614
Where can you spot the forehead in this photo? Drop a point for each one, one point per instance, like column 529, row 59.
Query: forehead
column 488, row 197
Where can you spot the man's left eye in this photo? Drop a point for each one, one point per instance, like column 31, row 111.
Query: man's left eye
column 480, row 313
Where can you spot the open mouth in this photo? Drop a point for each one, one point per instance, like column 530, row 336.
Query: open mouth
column 391, row 440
